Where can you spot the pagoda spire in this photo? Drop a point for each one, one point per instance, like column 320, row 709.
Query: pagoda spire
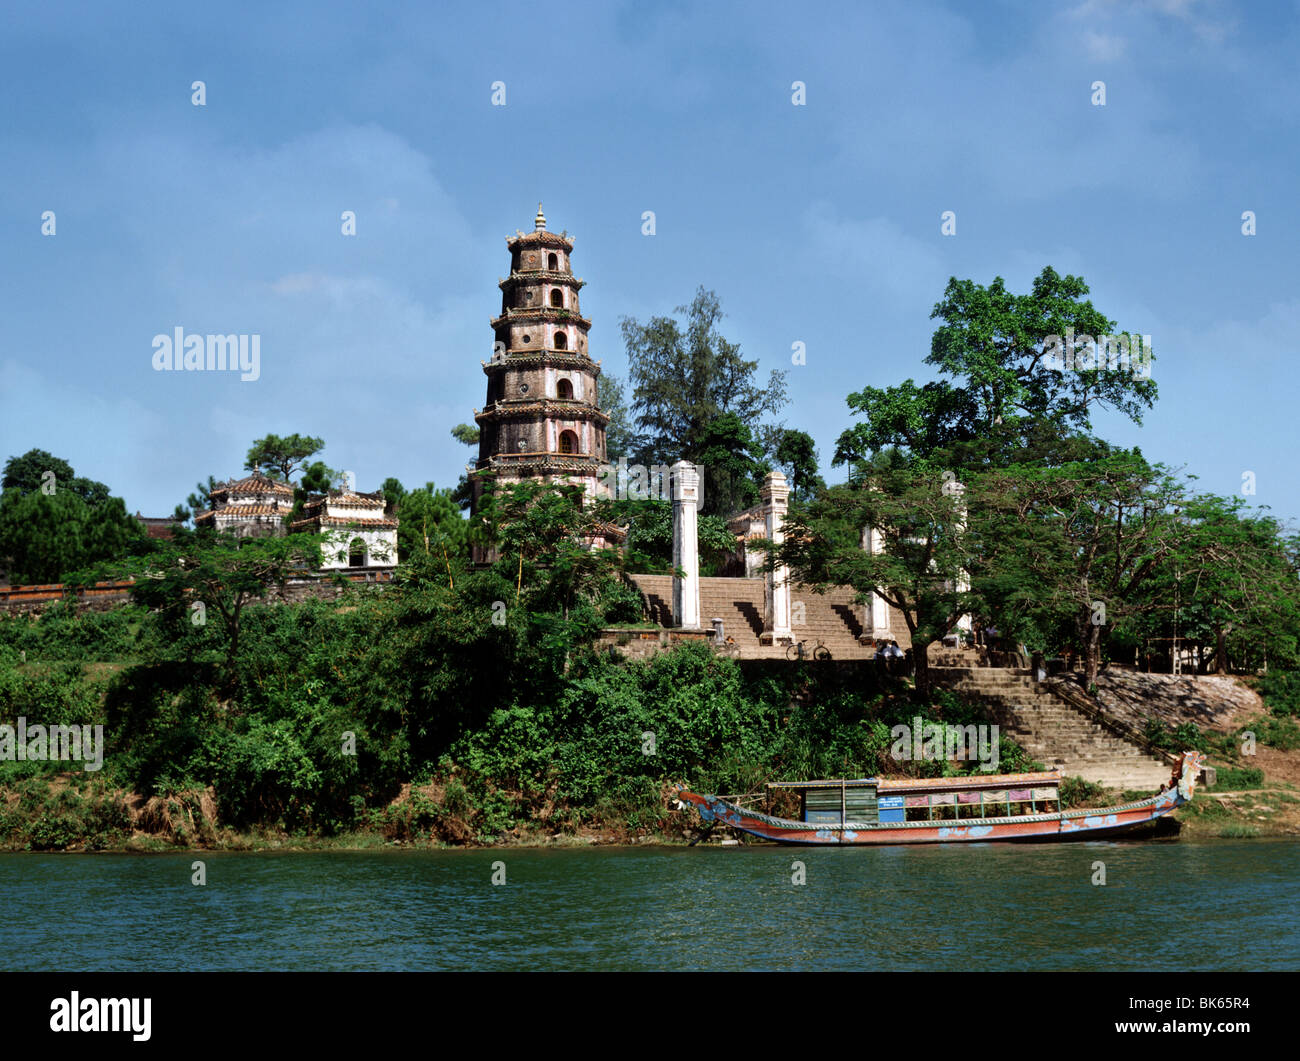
column 539, row 222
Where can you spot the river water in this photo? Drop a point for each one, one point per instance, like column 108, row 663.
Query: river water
column 1165, row 906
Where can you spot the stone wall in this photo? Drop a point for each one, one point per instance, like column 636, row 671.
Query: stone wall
column 640, row 643
column 103, row 596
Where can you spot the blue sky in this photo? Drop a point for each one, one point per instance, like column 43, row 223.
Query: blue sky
column 817, row 224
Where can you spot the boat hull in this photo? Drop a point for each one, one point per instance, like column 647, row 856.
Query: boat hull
column 1086, row 824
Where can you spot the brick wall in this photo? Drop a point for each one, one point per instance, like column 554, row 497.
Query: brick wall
column 17, row 600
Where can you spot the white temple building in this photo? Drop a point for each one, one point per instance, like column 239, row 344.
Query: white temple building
column 254, row 507
column 356, row 530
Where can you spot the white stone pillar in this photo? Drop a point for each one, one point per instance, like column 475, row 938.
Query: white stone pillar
column 776, row 595
column 876, row 617
column 684, row 485
column 963, row 578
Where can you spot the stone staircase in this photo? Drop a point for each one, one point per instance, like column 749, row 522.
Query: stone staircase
column 1054, row 732
column 831, row 618
column 1044, row 723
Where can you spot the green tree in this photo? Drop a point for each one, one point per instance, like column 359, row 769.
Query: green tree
column 685, row 376
column 1078, row 542
column 1001, row 390
column 1230, row 586
column 466, row 434
column 463, row 492
column 732, row 465
column 621, row 438
column 30, row 473
column 649, row 546
column 200, row 500
column 393, row 492
column 49, row 538
column 221, row 576
column 277, row 457
column 430, row 524
column 317, row 478
column 796, row 454
column 540, row 532
column 919, row 570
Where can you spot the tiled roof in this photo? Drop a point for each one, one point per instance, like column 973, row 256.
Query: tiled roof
column 539, row 239
column 347, row 498
column 345, row 521
column 244, row 510
column 160, row 527
column 610, row 532
column 254, row 484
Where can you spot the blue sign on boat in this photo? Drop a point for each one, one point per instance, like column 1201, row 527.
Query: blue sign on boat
column 891, row 808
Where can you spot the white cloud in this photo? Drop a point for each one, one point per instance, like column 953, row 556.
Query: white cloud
column 876, row 252
column 1104, row 47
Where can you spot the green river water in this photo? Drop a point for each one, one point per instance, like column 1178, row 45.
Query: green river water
column 1165, row 906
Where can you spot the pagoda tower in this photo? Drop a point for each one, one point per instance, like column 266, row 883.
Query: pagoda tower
column 542, row 419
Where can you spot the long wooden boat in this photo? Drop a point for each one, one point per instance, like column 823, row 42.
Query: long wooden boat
column 943, row 810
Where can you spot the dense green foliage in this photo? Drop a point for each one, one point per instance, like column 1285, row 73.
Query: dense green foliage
column 54, row 522
column 470, row 701
column 1064, row 542
column 482, row 681
column 429, row 522
column 650, row 536
column 1281, row 691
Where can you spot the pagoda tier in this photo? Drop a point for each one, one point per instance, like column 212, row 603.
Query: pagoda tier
column 542, row 418
column 515, row 411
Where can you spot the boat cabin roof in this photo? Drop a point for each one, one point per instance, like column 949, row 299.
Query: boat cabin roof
column 930, row 784
column 1044, row 779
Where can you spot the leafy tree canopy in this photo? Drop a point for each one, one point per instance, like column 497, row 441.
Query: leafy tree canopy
column 430, row 524
column 51, row 526
column 925, row 547
column 221, row 575
column 732, row 464
column 393, row 491
column 796, row 454
column 685, row 376
column 621, row 437
column 467, row 434
column 998, row 388
column 277, row 457
column 29, row 473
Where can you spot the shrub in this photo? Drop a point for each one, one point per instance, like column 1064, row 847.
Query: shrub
column 1188, row 735
column 1076, row 792
column 1281, row 733
column 1281, row 691
column 1232, row 777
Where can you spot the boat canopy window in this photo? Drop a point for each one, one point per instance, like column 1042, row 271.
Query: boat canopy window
column 928, row 799
column 981, row 803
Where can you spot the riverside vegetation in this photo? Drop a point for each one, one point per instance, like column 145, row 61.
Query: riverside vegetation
column 470, row 722
column 467, row 704
column 439, row 710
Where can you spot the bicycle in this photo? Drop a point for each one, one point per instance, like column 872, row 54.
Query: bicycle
column 796, row 651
